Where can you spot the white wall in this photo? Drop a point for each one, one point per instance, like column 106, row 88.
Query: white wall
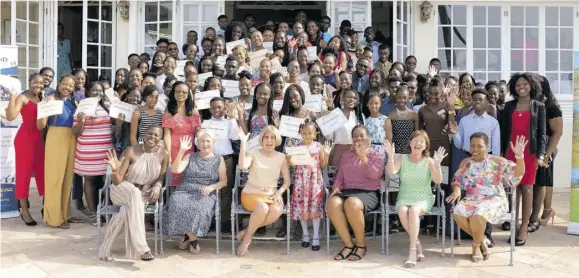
column 123, row 41
column 425, row 40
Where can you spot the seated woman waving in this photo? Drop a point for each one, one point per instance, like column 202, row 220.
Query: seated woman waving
column 355, row 193
column 191, row 207
column 415, row 198
column 141, row 166
column 260, row 195
column 482, row 176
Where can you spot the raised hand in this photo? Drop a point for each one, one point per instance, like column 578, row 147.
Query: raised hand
column 231, row 111
column 390, row 149
column 113, row 161
column 439, row 155
column 185, row 143
column 450, row 128
column 275, row 116
column 327, row 147
column 80, row 118
column 432, row 71
column 519, row 147
column 242, row 136
column 451, row 93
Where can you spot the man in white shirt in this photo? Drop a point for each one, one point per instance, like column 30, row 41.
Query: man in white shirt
column 222, row 119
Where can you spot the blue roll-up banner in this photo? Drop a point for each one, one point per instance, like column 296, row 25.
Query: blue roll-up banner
column 8, row 83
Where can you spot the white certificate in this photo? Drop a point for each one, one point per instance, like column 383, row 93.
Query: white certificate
column 87, row 106
column 122, row 108
column 300, row 155
column 220, row 61
column 312, row 53
column 201, row 79
column 204, row 99
column 230, row 45
column 314, row 103
column 329, row 123
column 277, row 104
column 49, row 108
column 268, row 46
column 290, row 127
column 180, row 68
column 217, row 128
column 256, row 57
column 110, row 93
column 231, row 88
column 252, row 145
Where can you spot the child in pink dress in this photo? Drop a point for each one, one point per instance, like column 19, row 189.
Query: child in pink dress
column 308, row 192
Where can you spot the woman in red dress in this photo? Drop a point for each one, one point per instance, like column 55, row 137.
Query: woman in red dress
column 180, row 119
column 28, row 144
column 524, row 116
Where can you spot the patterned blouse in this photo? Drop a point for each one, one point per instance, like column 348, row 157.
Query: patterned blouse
column 483, row 182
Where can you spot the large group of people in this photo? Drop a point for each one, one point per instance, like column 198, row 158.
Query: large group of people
column 427, row 128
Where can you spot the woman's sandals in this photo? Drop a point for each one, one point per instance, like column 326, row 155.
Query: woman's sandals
column 148, row 256
column 484, row 249
column 409, row 263
column 342, row 256
column 184, row 242
column 194, row 247
column 476, row 253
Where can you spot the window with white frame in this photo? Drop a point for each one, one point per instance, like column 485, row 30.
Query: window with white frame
column 487, row 42
column 357, row 12
column 28, row 14
column 452, row 39
column 158, row 23
column 524, row 39
column 559, row 49
column 99, row 40
column 402, row 31
column 198, row 16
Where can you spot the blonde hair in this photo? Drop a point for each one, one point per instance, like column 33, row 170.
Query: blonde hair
column 273, row 130
column 205, row 133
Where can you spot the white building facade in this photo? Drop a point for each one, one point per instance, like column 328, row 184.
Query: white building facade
column 490, row 39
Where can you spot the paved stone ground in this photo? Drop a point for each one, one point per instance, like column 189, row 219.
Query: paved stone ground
column 47, row 252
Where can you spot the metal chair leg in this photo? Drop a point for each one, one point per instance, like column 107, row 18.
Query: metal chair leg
column 451, row 237
column 374, row 227
column 156, row 216
column 443, row 233
column 327, row 234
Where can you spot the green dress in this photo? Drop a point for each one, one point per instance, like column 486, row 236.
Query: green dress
column 415, row 189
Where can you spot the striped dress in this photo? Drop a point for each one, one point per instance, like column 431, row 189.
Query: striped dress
column 93, row 143
column 147, row 120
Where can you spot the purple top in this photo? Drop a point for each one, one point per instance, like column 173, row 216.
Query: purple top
column 360, row 177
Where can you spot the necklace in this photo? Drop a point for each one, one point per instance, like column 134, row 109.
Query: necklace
column 402, row 114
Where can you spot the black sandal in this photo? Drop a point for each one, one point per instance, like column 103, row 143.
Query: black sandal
column 148, row 256
column 355, row 255
column 341, row 254
column 506, row 226
column 184, row 243
column 533, row 227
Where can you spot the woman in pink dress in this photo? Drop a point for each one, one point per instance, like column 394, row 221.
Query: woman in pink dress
column 179, row 120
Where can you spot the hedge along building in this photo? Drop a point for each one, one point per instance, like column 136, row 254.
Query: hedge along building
column 490, row 39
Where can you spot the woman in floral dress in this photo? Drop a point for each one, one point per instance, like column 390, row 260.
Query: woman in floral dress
column 482, row 176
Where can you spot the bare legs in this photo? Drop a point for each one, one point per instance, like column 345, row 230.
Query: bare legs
column 263, row 215
column 524, row 192
column 342, row 213
column 410, row 220
column 474, row 226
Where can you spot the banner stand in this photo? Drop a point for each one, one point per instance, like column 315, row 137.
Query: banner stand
column 8, row 129
column 573, row 227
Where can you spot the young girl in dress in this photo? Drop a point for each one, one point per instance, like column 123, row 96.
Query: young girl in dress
column 308, row 192
column 377, row 124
